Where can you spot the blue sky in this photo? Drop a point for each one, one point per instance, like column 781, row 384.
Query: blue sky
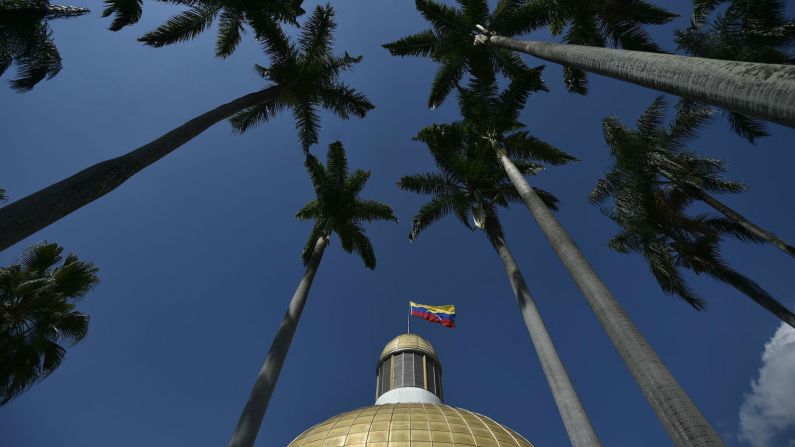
column 199, row 254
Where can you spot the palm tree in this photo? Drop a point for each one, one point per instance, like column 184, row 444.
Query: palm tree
column 302, row 77
column 26, row 39
column 37, row 315
column 470, row 182
column 491, row 117
column 750, row 31
column 764, row 91
column 263, row 16
column 650, row 210
column 337, row 209
column 449, row 39
column 660, row 152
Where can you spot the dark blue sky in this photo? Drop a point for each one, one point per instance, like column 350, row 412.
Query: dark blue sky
column 199, row 254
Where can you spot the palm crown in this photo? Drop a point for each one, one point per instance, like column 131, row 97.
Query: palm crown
column 449, row 42
column 469, row 180
column 308, row 74
column 261, row 15
column 659, row 155
column 492, row 116
column 37, row 316
column 337, row 207
column 647, row 195
column 26, row 39
column 750, row 31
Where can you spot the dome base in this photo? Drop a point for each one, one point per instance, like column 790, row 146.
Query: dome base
column 408, row 395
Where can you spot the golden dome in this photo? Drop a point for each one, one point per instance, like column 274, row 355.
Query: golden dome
column 409, row 342
column 409, row 425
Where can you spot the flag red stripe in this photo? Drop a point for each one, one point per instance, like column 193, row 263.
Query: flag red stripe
column 434, row 318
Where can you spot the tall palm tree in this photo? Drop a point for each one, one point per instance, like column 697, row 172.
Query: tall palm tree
column 763, row 91
column 261, row 15
column 38, row 297
column 302, row 77
column 448, row 42
column 650, row 209
column 336, row 209
column 492, row 116
column 660, row 153
column 26, row 39
column 469, row 181
column 750, row 31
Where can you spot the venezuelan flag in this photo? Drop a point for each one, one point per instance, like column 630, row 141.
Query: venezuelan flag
column 444, row 315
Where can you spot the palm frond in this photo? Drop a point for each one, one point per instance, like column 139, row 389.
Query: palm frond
column 182, row 27
column 317, row 34
column 428, row 183
column 746, row 127
column 355, row 183
column 257, row 114
column 41, row 60
column 353, row 240
column 435, row 209
column 230, row 29
column 446, row 79
column 345, row 101
column 440, row 15
column 125, row 12
column 371, row 210
column 41, row 257
column 651, row 119
column 576, row 80
column 523, row 145
column 312, row 210
column 307, row 123
column 337, row 164
column 421, row 44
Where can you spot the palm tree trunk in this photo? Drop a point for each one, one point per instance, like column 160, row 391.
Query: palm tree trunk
column 685, row 424
column 248, row 426
column 765, row 91
column 30, row 214
column 576, row 421
column 752, row 290
column 741, row 220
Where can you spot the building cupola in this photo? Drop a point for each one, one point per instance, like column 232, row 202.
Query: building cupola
column 408, row 371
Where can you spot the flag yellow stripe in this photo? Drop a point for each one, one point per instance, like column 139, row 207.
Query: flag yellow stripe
column 448, row 309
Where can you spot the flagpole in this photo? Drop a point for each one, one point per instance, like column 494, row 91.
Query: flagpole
column 408, row 320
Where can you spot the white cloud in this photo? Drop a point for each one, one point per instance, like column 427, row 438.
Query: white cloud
column 767, row 414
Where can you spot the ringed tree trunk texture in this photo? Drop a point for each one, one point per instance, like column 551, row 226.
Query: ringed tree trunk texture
column 740, row 219
column 30, row 214
column 248, row 426
column 575, row 419
column 685, row 424
column 764, row 91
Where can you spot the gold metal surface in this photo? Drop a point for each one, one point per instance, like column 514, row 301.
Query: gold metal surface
column 409, row 425
column 409, row 342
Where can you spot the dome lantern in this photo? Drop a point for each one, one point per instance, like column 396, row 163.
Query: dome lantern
column 408, row 371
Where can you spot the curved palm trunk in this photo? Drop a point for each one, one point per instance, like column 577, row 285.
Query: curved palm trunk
column 752, row 290
column 765, row 91
column 30, row 214
column 248, row 426
column 685, row 424
column 576, row 421
column 741, row 220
